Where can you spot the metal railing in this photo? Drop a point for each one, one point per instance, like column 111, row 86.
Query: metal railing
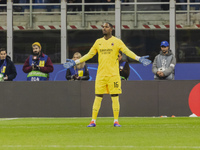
column 117, row 12
column 135, row 4
column 83, row 12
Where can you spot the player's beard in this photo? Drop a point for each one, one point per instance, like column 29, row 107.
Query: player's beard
column 105, row 34
column 36, row 53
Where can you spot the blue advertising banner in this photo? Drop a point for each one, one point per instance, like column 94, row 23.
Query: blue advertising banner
column 183, row 71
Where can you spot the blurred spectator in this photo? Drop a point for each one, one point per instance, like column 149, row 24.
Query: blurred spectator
column 98, row 7
column 49, row 8
column 107, row 7
column 193, row 7
column 165, row 6
column 125, row 1
column 93, row 7
column 74, row 7
column 188, row 50
column 124, row 68
column 78, row 72
column 183, row 7
column 89, row 7
column 127, row 7
column 164, row 63
column 42, row 7
column 19, row 8
column 3, row 8
column 54, row 1
column 7, row 67
column 38, row 66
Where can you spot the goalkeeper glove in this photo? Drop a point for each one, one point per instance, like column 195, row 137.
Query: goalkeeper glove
column 144, row 61
column 70, row 63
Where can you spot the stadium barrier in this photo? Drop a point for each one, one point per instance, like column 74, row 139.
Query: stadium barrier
column 75, row 99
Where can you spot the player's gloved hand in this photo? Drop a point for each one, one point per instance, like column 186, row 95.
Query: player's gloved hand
column 145, row 61
column 70, row 63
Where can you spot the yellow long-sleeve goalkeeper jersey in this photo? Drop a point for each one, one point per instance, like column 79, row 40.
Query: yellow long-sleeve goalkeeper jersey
column 108, row 51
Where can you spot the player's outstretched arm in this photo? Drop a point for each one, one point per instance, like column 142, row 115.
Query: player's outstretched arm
column 86, row 57
column 70, row 63
column 132, row 55
column 144, row 60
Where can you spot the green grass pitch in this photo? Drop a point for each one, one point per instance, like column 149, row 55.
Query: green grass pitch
column 71, row 133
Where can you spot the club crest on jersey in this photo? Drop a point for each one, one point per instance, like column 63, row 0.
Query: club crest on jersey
column 112, row 44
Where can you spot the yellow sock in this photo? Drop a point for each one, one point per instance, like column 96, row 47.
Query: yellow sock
column 96, row 107
column 115, row 106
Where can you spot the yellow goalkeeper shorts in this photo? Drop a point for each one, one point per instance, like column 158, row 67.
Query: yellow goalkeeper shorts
column 108, row 85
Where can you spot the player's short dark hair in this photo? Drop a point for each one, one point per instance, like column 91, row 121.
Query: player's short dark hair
column 120, row 52
column 110, row 24
column 3, row 49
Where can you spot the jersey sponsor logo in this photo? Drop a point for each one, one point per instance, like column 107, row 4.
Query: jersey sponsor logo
column 106, row 51
column 116, row 85
column 112, row 44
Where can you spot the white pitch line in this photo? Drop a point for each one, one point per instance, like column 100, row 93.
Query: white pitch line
column 98, row 146
column 3, row 119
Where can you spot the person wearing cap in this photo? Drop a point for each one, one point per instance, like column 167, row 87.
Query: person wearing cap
column 39, row 65
column 164, row 63
column 124, row 69
column 7, row 68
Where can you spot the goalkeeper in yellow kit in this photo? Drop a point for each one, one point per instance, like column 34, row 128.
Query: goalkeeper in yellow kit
column 108, row 79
